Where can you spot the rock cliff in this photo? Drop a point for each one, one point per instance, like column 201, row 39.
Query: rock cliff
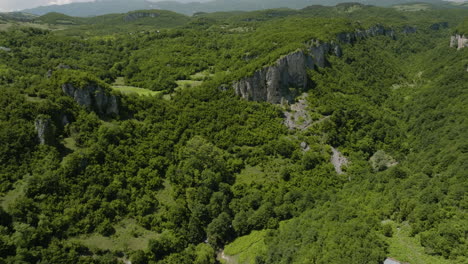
column 45, row 130
column 94, row 98
column 459, row 41
column 287, row 77
column 409, row 30
column 440, row 25
column 134, row 16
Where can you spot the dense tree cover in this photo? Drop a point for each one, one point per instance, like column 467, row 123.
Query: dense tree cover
column 463, row 27
column 421, row 123
column 206, row 167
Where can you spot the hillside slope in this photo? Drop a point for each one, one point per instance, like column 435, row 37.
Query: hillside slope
column 122, row 137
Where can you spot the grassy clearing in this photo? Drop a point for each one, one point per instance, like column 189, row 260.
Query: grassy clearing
column 405, row 248
column 128, row 236
column 251, row 175
column 165, row 195
column 200, row 76
column 70, row 144
column 269, row 172
column 35, row 99
column 185, row 84
column 244, row 249
column 120, row 86
column 135, row 90
column 14, row 194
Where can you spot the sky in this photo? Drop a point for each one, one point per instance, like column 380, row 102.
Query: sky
column 11, row 5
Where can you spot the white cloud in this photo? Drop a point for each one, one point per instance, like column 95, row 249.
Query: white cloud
column 60, row 2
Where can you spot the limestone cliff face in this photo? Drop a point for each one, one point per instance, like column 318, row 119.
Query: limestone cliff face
column 45, row 130
column 377, row 30
column 287, row 77
column 134, row 16
column 409, row 30
column 459, row 41
column 93, row 98
column 272, row 84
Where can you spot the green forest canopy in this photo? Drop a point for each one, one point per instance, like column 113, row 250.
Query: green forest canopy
column 187, row 173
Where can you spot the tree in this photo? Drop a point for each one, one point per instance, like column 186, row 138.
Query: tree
column 219, row 231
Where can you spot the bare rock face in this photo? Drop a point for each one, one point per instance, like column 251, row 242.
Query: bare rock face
column 338, row 160
column 288, row 78
column 134, row 16
column 273, row 83
column 438, row 26
column 93, row 98
column 45, row 130
column 409, row 30
column 377, row 30
column 298, row 117
column 459, row 41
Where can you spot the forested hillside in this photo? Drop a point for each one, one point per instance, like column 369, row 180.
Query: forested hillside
column 188, row 7
column 123, row 138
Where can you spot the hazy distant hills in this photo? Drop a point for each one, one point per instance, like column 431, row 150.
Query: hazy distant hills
column 93, row 8
column 103, row 7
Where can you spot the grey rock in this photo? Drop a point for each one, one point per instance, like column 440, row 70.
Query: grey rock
column 409, row 30
column 305, row 147
column 338, row 160
column 93, row 98
column 64, row 120
column 134, row 16
column 287, row 77
column 273, row 83
column 45, row 130
column 459, row 41
column 393, row 261
column 5, row 49
column 440, row 25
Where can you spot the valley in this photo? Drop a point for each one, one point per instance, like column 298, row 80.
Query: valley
column 313, row 134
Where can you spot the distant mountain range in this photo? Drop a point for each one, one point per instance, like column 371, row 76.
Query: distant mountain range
column 102, row 7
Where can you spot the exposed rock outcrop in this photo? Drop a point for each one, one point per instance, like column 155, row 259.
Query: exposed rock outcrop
column 338, row 160
column 298, row 118
column 409, row 30
column 440, row 25
column 273, row 83
column 459, row 41
column 45, row 130
column 134, row 16
column 94, row 98
column 374, row 31
column 5, row 49
column 287, row 78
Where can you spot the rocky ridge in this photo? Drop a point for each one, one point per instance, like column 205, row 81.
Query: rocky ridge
column 45, row 130
column 94, row 98
column 136, row 15
column 459, row 41
column 287, row 78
